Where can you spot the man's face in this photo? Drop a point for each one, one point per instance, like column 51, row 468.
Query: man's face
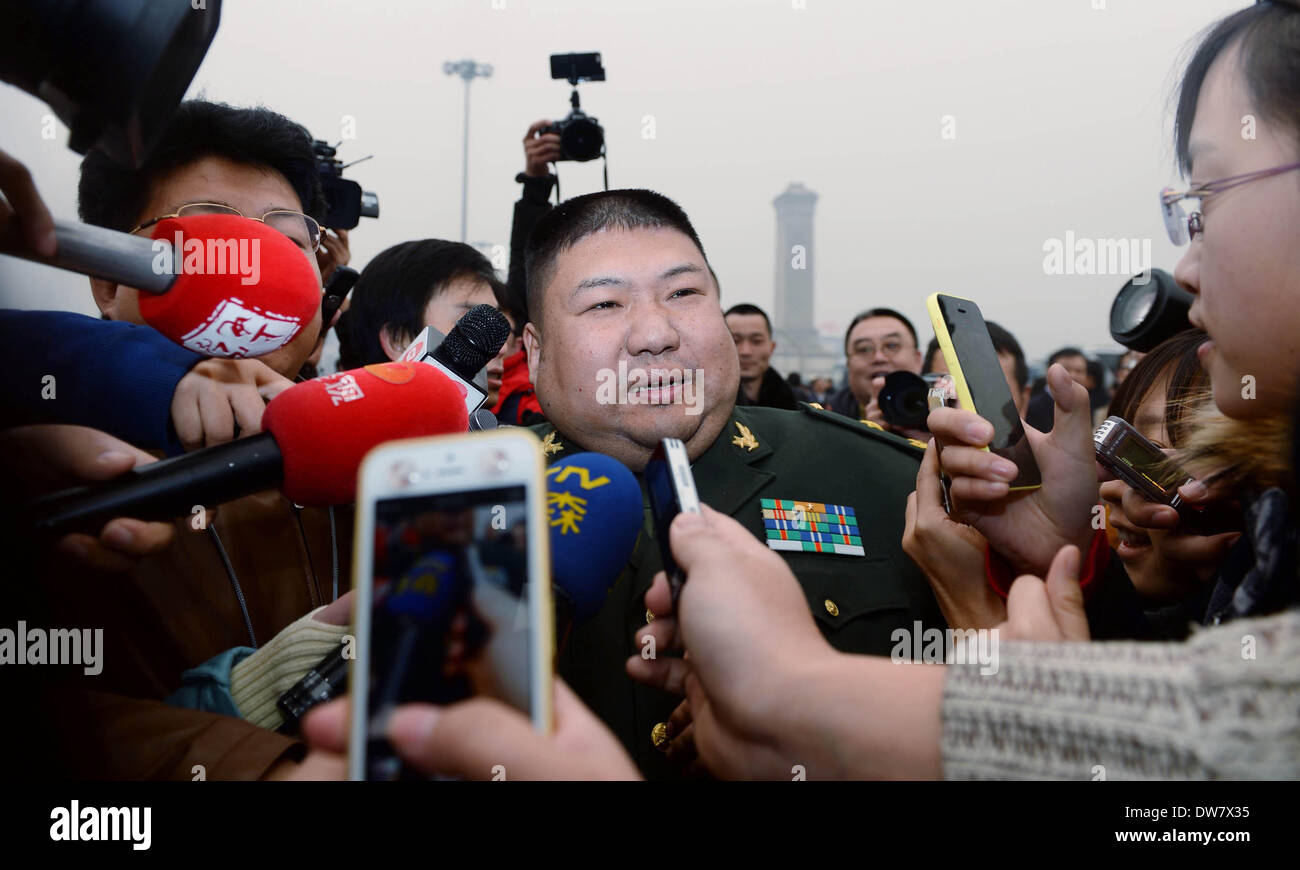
column 644, row 298
column 878, row 346
column 754, row 344
column 445, row 308
column 1077, row 366
column 253, row 191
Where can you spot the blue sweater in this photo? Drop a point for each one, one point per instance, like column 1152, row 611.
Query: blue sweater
column 113, row 376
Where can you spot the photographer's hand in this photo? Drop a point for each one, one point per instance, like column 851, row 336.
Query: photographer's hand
column 540, row 149
column 334, row 252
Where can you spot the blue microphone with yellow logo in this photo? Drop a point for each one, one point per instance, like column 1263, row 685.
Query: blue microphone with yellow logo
column 595, row 513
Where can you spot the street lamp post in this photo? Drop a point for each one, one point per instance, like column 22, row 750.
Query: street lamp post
column 468, row 70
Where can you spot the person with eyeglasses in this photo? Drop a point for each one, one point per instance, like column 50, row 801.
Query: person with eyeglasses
column 877, row 342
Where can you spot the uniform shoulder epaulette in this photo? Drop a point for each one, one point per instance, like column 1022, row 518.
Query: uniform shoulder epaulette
column 866, row 428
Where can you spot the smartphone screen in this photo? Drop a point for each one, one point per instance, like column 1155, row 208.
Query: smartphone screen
column 449, row 614
column 978, row 373
column 1162, row 476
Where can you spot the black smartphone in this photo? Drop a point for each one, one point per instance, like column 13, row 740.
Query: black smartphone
column 981, row 384
column 672, row 490
column 578, row 67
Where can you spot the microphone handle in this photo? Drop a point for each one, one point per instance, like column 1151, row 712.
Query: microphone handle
column 167, row 489
column 100, row 253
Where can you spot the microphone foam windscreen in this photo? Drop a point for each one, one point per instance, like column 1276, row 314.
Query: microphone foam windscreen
column 242, row 288
column 595, row 513
column 325, row 427
column 476, row 338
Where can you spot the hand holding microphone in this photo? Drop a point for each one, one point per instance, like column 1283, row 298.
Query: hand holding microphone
column 23, row 214
column 44, row 455
column 362, row 408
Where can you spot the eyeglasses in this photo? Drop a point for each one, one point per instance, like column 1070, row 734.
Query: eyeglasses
column 891, row 346
column 302, row 230
column 1183, row 227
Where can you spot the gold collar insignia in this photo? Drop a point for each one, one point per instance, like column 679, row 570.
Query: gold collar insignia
column 746, row 438
column 549, row 445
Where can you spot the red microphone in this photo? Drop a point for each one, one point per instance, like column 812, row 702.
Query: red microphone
column 219, row 284
column 242, row 289
column 316, row 434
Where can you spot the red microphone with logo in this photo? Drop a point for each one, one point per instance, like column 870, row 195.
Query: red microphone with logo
column 219, row 284
column 358, row 409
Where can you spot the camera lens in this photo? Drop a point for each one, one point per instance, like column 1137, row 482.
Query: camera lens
column 582, row 139
column 1146, row 313
column 903, row 400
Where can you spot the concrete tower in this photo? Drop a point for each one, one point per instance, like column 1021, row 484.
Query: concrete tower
column 794, row 265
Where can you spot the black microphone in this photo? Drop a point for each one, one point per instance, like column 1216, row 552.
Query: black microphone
column 463, row 353
column 482, row 419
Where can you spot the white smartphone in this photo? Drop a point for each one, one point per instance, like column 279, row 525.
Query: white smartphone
column 453, row 588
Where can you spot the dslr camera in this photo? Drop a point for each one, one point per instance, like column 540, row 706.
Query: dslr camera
column 345, row 202
column 581, row 136
column 904, row 398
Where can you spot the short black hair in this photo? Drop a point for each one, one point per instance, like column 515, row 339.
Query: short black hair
column 927, row 364
column 1005, row 342
column 1063, row 353
column 1269, row 37
column 573, row 220
column 395, row 288
column 879, row 312
column 1173, row 359
column 111, row 195
column 746, row 308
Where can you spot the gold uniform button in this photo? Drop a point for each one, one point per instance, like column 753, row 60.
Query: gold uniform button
column 649, row 616
column 832, row 608
column 659, row 736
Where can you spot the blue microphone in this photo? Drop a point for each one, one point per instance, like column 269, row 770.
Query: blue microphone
column 595, row 512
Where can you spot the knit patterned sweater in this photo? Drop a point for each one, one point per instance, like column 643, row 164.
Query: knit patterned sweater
column 1225, row 704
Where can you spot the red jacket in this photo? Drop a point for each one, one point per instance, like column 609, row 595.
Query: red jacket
column 517, row 398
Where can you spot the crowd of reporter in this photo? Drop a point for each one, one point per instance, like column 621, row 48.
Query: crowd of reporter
column 1122, row 643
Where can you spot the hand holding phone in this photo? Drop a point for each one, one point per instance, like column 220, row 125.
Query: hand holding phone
column 453, row 592
column 981, row 385
column 1130, row 457
column 1027, row 524
column 672, row 490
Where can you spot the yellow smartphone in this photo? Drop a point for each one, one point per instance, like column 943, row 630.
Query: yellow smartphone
column 453, row 584
column 981, row 384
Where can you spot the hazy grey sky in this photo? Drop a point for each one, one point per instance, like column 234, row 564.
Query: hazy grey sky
column 1061, row 118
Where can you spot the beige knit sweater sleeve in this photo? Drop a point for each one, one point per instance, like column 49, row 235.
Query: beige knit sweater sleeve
column 1223, row 705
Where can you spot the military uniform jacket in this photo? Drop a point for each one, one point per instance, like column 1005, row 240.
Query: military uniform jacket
column 818, row 467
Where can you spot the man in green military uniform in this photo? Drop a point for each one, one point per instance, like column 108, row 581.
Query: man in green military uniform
column 627, row 345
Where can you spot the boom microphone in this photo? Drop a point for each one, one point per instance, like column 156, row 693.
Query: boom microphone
column 218, row 284
column 360, row 409
column 463, row 353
